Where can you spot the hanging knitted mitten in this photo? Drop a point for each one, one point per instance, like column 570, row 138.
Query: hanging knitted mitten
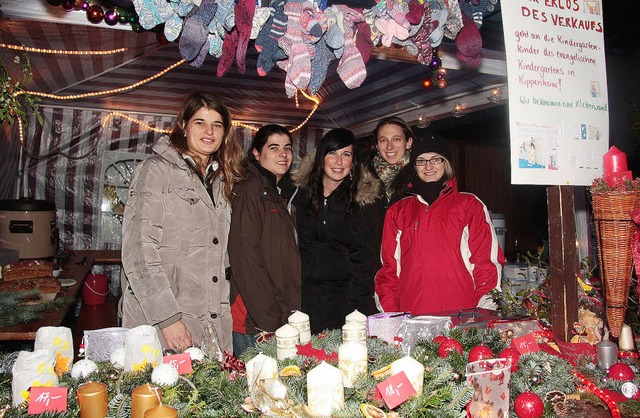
column 194, row 34
column 469, row 43
column 416, row 10
column 391, row 29
column 363, row 40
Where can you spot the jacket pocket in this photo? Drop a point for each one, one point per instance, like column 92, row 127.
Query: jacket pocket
column 186, row 203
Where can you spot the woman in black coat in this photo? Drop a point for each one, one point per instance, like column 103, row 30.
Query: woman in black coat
column 334, row 223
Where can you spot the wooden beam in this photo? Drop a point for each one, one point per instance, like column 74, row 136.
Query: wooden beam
column 564, row 261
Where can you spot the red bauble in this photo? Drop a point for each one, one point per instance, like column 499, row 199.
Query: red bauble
column 480, row 352
column 529, row 405
column 448, row 346
column 439, row 339
column 77, row 4
column 513, row 354
column 68, row 5
column 622, row 372
column 95, row 14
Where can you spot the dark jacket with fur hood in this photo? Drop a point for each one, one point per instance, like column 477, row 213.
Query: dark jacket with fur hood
column 337, row 262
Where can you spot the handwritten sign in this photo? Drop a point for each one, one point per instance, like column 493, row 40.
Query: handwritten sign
column 47, row 399
column 525, row 344
column 558, row 101
column 395, row 390
column 182, row 362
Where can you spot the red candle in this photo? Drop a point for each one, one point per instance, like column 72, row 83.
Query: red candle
column 613, row 161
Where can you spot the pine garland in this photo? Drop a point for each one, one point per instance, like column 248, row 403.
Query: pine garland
column 13, row 309
column 210, row 391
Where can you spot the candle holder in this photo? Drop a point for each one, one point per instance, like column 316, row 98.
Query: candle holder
column 606, row 354
column 93, row 399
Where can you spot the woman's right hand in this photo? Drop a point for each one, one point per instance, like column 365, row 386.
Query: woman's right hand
column 177, row 336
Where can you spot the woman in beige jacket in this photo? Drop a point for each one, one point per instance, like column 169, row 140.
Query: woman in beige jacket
column 176, row 226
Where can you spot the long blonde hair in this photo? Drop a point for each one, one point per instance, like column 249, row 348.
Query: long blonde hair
column 229, row 155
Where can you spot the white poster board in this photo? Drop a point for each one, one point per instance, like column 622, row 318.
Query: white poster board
column 558, row 102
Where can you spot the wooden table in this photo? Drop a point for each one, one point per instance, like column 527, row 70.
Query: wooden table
column 76, row 267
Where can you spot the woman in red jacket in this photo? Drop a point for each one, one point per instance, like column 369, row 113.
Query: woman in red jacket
column 440, row 252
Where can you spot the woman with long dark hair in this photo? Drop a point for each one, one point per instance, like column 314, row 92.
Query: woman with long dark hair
column 176, row 225
column 265, row 284
column 334, row 220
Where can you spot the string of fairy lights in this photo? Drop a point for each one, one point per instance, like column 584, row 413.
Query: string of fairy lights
column 108, row 117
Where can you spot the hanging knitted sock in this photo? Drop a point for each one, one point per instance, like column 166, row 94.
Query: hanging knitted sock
column 173, row 27
column 454, row 22
column 438, row 18
column 351, row 67
column 152, row 12
column 228, row 52
column 416, row 10
column 363, row 40
column 334, row 36
column 182, row 9
column 390, row 29
column 244, row 20
column 292, row 43
column 422, row 40
column 226, row 14
column 312, row 23
column 267, row 40
column 260, row 17
column 469, row 43
column 215, row 45
column 202, row 54
column 319, row 65
column 408, row 43
column 195, row 31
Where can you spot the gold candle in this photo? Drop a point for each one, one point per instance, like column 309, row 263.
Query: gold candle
column 93, row 399
column 161, row 411
column 143, row 398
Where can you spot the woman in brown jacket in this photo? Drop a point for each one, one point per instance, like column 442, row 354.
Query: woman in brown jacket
column 175, row 229
column 265, row 284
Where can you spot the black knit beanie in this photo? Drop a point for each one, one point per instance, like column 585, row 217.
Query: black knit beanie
column 429, row 142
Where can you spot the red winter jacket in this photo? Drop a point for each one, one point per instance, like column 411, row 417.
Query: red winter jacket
column 438, row 258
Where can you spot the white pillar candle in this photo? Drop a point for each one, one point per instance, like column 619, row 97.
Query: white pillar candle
column 354, row 331
column 413, row 369
column 324, row 390
column 261, row 367
column 300, row 320
column 357, row 316
column 625, row 341
column 352, row 361
column 287, row 337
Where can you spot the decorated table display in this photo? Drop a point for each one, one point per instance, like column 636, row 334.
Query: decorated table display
column 534, row 381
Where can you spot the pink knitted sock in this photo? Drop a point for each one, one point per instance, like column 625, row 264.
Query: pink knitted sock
column 351, row 67
column 244, row 19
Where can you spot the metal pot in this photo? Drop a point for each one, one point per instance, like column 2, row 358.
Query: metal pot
column 29, row 226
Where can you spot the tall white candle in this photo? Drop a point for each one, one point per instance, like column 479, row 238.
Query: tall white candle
column 261, row 367
column 300, row 320
column 357, row 316
column 625, row 341
column 287, row 337
column 324, row 390
column 352, row 361
column 354, row 331
column 413, row 369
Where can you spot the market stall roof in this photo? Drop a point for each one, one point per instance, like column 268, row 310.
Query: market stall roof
column 393, row 85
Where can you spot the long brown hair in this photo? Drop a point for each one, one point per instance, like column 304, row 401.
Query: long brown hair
column 229, row 155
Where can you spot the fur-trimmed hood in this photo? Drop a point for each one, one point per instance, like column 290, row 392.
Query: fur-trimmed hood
column 369, row 185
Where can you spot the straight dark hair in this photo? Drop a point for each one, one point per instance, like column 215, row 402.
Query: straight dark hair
column 262, row 136
column 333, row 140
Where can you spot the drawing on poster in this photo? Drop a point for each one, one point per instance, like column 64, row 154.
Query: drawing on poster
column 595, row 133
column 592, row 7
column 595, row 89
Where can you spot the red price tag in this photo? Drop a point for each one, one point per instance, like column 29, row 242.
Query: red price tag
column 395, row 390
column 44, row 399
column 573, row 351
column 182, row 362
column 526, row 344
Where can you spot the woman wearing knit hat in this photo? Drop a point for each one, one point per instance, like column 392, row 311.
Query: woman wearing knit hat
column 440, row 252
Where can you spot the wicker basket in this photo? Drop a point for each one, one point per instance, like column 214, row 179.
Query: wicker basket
column 614, row 232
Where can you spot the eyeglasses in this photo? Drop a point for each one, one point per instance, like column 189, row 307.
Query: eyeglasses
column 433, row 161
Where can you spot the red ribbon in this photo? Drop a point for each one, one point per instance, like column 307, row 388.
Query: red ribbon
column 635, row 245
